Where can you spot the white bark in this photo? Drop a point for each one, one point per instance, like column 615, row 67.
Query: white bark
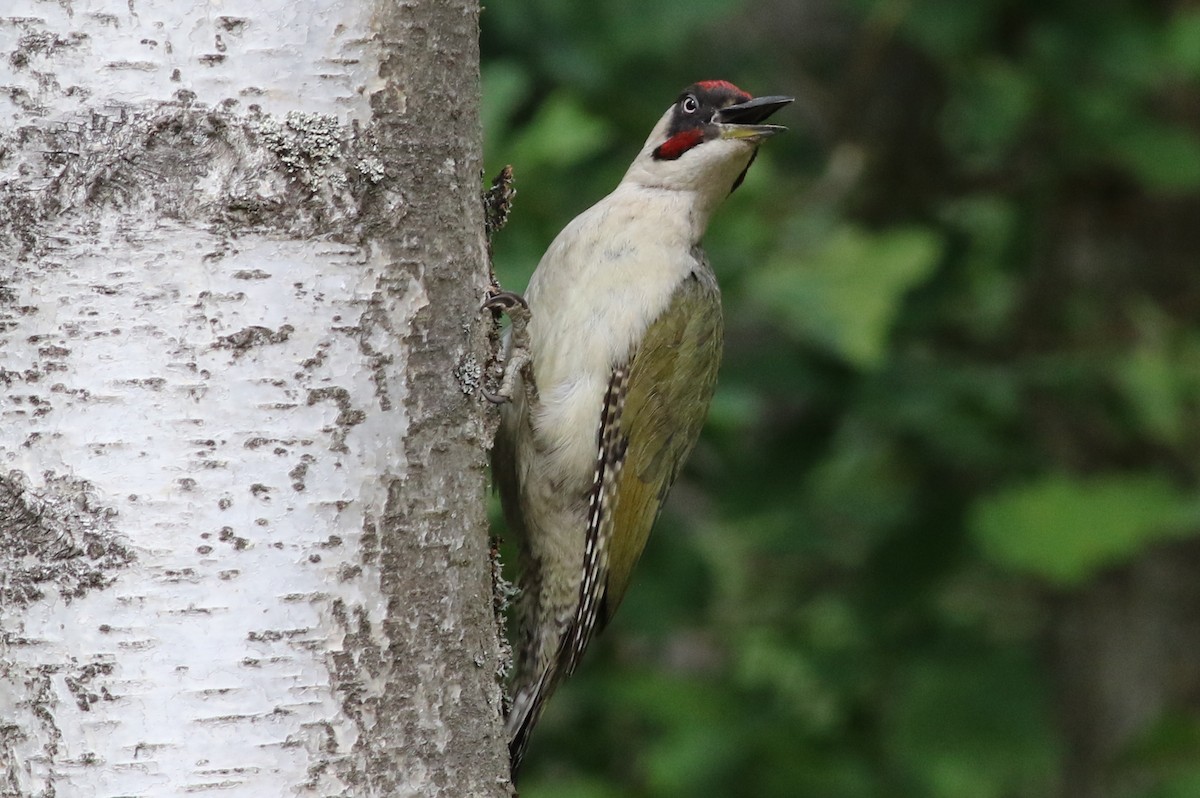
column 214, row 520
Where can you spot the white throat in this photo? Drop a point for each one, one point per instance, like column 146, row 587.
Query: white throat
column 699, row 180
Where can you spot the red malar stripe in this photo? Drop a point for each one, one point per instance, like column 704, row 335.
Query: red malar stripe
column 678, row 144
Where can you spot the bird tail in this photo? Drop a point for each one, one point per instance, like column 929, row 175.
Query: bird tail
column 527, row 706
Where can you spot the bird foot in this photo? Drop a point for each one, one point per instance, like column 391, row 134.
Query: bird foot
column 518, row 357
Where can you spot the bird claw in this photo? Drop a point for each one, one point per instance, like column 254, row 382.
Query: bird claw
column 504, row 302
column 518, row 350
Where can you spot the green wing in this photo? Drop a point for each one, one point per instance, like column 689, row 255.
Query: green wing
column 653, row 410
column 670, row 384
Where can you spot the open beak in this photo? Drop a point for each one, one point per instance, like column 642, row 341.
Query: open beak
column 741, row 121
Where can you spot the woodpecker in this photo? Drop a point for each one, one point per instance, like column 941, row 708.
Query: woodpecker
column 611, row 363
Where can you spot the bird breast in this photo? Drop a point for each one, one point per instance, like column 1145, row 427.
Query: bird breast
column 605, row 278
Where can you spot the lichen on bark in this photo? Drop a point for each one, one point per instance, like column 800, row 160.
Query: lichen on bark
column 58, row 539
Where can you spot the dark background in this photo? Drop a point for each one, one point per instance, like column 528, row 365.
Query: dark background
column 939, row 538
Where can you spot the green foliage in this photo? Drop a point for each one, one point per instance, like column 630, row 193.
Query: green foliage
column 1171, row 749
column 1183, row 42
column 561, row 133
column 1159, row 377
column 983, row 123
column 961, row 390
column 953, row 737
column 845, row 294
column 1066, row 530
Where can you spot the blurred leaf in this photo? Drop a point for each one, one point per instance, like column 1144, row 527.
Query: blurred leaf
column 1170, row 749
column 682, row 762
column 1183, row 41
column 845, row 294
column 505, row 86
column 769, row 661
column 1132, row 48
column 944, row 27
column 562, row 133
column 573, row 787
column 665, row 25
column 1174, row 740
column 861, row 488
column 963, row 414
column 972, row 725
column 987, row 113
column 1065, row 529
column 734, row 408
column 1153, row 379
column 1164, row 157
column 1180, row 785
column 990, row 226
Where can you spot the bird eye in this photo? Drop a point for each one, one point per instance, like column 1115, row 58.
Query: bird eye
column 690, row 104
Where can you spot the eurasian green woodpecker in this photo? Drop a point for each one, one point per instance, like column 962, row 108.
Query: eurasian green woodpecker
column 608, row 380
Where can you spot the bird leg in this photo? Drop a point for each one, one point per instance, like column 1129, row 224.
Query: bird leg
column 497, row 203
column 518, row 359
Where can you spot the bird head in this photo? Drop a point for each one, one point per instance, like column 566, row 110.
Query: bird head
column 706, row 140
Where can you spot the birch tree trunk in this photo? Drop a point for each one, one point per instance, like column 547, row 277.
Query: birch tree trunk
column 242, row 541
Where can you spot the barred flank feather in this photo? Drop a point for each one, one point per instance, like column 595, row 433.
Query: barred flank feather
column 609, row 459
column 610, row 453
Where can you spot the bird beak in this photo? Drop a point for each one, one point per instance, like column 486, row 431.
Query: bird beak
column 741, row 121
